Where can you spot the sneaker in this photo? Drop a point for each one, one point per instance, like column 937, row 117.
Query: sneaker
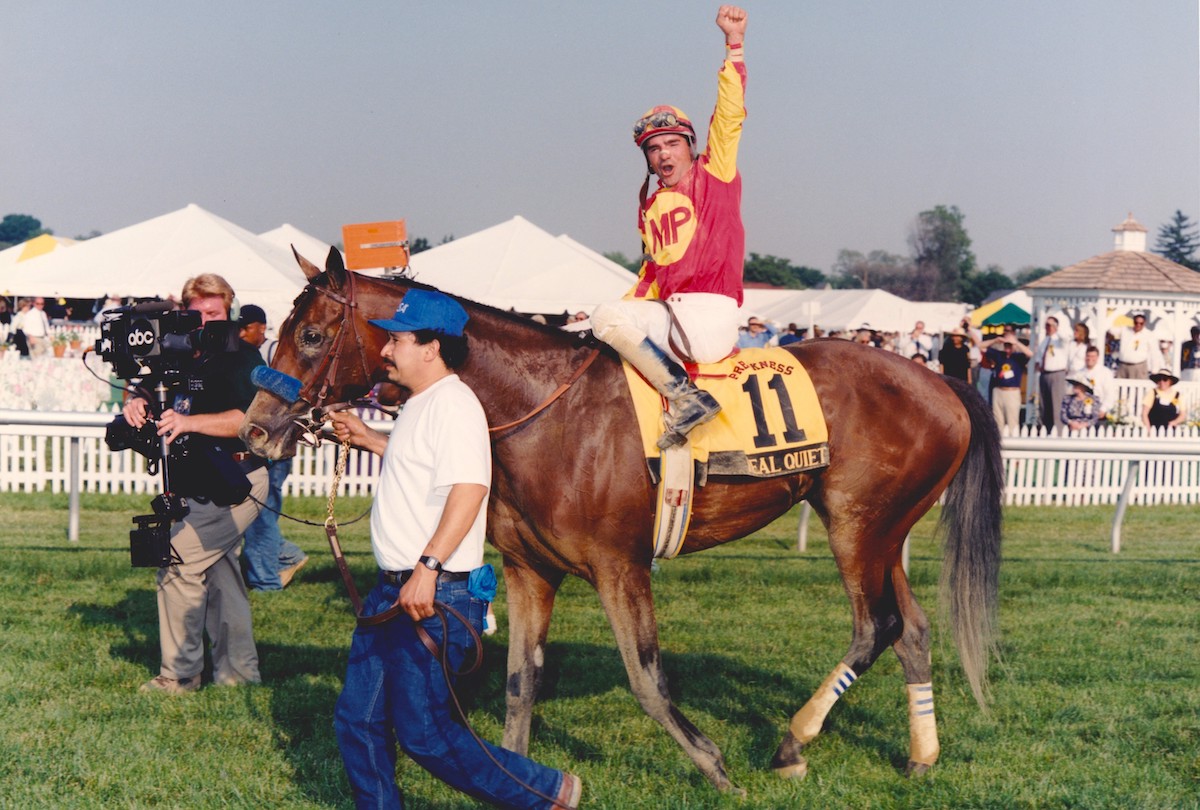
column 569, row 793
column 161, row 683
column 286, row 574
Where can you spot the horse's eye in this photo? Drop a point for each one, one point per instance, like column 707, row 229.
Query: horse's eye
column 310, row 337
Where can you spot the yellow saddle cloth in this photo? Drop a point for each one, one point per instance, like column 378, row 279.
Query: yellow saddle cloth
column 770, row 421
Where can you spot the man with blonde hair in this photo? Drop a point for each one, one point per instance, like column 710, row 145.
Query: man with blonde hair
column 203, row 588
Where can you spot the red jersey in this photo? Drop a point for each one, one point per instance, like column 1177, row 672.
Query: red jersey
column 692, row 233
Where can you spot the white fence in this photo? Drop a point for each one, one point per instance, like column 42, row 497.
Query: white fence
column 36, row 450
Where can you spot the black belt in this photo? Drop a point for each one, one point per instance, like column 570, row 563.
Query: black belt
column 400, row 577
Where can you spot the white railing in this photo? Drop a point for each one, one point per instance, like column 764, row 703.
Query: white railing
column 65, row 452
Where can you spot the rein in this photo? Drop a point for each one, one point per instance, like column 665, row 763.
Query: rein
column 558, row 392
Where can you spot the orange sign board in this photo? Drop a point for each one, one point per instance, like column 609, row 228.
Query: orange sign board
column 375, row 244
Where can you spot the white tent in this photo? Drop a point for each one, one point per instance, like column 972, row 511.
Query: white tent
column 850, row 309
column 155, row 258
column 516, row 265
column 288, row 236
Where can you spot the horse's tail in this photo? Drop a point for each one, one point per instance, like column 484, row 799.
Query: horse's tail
column 970, row 530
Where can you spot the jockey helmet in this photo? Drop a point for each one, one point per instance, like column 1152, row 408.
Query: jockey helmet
column 663, row 119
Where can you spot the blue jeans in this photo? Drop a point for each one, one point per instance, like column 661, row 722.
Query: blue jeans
column 395, row 692
column 266, row 549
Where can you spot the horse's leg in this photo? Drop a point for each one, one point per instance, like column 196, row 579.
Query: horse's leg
column 627, row 601
column 912, row 648
column 869, row 581
column 530, row 598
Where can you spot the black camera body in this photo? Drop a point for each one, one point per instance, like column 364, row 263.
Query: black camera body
column 155, row 338
column 153, row 341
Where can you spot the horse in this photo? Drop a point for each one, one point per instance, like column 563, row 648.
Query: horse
column 899, row 437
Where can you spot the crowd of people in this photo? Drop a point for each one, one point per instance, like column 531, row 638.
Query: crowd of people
column 1075, row 390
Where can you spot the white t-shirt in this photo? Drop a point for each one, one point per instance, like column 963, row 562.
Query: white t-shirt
column 440, row 439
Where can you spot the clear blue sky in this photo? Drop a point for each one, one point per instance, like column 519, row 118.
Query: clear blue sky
column 1044, row 122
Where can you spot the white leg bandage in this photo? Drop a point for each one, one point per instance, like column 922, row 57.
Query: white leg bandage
column 922, row 725
column 807, row 723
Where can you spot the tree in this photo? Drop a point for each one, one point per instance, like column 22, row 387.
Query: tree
column 1178, row 241
column 1028, row 274
column 620, row 258
column 976, row 286
column 781, row 273
column 877, row 270
column 16, row 228
column 942, row 253
column 419, row 244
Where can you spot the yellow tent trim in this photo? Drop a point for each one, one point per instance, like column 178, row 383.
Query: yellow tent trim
column 990, row 308
column 38, row 246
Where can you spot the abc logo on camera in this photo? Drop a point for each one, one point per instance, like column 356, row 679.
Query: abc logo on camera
column 142, row 337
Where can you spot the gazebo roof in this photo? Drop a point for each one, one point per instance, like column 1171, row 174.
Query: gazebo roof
column 1122, row 270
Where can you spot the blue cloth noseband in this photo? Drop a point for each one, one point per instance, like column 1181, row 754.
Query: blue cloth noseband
column 284, row 386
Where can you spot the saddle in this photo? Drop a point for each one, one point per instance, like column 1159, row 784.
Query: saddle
column 770, row 425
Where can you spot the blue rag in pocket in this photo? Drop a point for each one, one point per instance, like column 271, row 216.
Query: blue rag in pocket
column 482, row 583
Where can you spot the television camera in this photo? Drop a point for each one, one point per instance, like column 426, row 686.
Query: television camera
column 161, row 348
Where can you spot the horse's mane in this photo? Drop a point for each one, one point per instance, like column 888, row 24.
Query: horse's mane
column 567, row 339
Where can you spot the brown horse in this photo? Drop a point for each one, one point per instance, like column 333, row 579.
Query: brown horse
column 898, row 437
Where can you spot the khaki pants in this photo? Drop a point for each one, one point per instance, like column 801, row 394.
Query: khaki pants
column 1132, row 371
column 206, row 592
column 1006, row 407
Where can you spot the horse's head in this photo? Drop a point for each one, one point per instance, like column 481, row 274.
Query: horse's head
column 327, row 354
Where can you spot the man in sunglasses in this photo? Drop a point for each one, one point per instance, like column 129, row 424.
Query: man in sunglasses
column 693, row 243
column 1134, row 353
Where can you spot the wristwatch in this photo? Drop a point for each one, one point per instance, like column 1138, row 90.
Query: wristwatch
column 432, row 563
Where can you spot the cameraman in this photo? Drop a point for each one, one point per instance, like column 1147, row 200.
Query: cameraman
column 204, row 590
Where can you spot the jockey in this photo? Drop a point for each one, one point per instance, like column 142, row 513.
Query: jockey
column 685, row 305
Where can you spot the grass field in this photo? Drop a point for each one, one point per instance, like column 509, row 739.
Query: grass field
column 1097, row 703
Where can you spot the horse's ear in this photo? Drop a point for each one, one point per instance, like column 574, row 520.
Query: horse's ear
column 311, row 271
column 335, row 268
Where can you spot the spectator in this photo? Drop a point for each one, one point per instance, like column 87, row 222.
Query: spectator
column 1051, row 365
column 1100, row 379
column 1008, row 372
column 954, row 360
column 36, row 327
column 1077, row 350
column 1166, row 352
column 917, row 341
column 1134, row 353
column 24, row 305
column 792, row 334
column 1162, row 407
column 272, row 561
column 757, row 334
column 1189, row 358
column 1080, row 408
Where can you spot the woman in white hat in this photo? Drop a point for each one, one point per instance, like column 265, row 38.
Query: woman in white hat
column 1081, row 408
column 1163, row 407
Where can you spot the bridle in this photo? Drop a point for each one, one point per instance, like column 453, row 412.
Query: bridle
column 315, row 392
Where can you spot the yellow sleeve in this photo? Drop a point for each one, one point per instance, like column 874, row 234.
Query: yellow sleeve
column 725, row 129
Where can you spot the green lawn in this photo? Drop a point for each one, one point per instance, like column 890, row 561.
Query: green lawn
column 1096, row 705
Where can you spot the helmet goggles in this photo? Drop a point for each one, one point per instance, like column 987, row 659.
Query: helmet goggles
column 661, row 120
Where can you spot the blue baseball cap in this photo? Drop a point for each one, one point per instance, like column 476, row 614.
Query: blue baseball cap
column 426, row 309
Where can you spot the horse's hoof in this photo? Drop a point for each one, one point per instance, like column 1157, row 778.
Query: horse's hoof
column 788, row 762
column 916, row 769
column 797, row 770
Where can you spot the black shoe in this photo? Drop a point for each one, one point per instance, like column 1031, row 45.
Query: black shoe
column 693, row 409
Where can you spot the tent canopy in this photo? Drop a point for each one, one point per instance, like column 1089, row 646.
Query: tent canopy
column 516, row 265
column 1009, row 313
column 850, row 309
column 155, row 258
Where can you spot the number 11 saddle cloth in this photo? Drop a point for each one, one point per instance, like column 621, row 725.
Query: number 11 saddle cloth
column 770, row 422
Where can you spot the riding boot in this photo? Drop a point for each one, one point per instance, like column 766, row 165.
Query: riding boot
column 689, row 406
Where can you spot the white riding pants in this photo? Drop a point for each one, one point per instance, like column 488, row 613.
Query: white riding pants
column 709, row 320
